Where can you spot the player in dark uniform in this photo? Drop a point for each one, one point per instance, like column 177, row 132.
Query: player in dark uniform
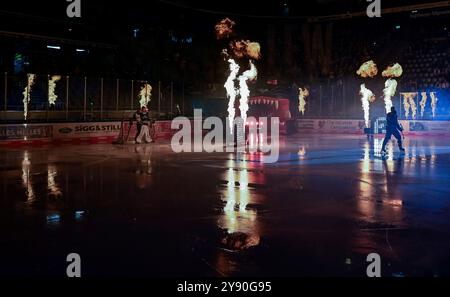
column 145, row 121
column 137, row 118
column 393, row 127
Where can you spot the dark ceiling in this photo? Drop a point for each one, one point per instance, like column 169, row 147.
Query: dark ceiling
column 283, row 7
column 250, row 8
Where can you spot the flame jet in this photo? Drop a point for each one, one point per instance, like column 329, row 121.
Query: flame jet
column 390, row 87
column 244, row 91
column 231, row 90
column 302, row 94
column 51, row 89
column 27, row 93
column 145, row 94
column 366, row 97
column 367, row 70
column 423, row 102
column 410, row 104
column 434, row 101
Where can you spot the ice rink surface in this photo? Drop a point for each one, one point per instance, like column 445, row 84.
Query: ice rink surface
column 142, row 210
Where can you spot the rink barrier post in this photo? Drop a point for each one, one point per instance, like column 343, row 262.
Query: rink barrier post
column 67, row 98
column 132, row 94
column 344, row 102
column 183, row 96
column 171, row 98
column 47, row 105
column 117, row 94
column 159, row 98
column 6, row 93
column 101, row 99
column 85, row 98
column 320, row 100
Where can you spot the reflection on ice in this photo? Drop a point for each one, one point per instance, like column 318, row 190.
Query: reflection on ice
column 243, row 190
column 239, row 222
column 349, row 200
column 371, row 191
column 144, row 166
column 231, row 200
column 79, row 214
column 301, row 152
column 26, row 177
column 53, row 219
column 51, row 183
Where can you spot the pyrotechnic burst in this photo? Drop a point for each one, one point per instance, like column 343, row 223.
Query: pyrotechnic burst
column 390, row 86
column 395, row 70
column 27, row 93
column 366, row 97
column 302, row 94
column 51, row 89
column 434, row 101
column 250, row 75
column 423, row 102
column 367, row 69
column 224, row 28
column 253, row 50
column 237, row 49
column 145, row 95
column 245, row 48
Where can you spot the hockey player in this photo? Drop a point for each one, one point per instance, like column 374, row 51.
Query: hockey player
column 144, row 120
column 137, row 118
column 393, row 127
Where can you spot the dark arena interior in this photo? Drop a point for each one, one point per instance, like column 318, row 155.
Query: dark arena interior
column 190, row 143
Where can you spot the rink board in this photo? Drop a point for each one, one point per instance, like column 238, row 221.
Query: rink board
column 107, row 132
column 332, row 126
column 75, row 133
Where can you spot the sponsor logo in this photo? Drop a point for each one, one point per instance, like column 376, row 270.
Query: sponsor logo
column 24, row 132
column 416, row 127
column 65, row 130
column 306, row 124
column 97, row 128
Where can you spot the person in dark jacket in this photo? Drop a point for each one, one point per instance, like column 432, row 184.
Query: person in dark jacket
column 393, row 127
column 145, row 121
column 137, row 118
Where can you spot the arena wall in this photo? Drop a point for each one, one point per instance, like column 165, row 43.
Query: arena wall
column 331, row 126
